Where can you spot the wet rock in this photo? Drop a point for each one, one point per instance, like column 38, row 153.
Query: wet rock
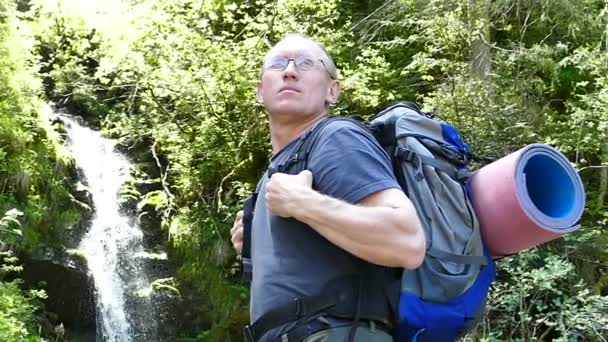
column 147, row 185
column 83, row 202
column 73, row 234
column 128, row 198
column 156, row 264
column 70, row 291
column 154, row 307
column 83, row 195
column 169, row 306
column 154, row 310
column 150, row 224
column 134, row 189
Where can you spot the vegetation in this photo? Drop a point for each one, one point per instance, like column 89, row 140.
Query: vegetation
column 17, row 307
column 174, row 81
column 36, row 206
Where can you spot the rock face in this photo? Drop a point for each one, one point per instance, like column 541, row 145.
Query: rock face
column 158, row 324
column 154, row 306
column 83, row 201
column 70, row 291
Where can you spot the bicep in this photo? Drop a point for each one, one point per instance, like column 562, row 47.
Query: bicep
column 391, row 198
column 397, row 209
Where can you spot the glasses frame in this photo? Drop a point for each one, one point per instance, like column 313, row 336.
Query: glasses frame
column 289, row 60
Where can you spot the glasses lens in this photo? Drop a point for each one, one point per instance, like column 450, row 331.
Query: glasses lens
column 277, row 63
column 304, row 63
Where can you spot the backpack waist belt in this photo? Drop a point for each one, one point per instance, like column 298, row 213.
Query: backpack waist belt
column 345, row 303
column 303, row 331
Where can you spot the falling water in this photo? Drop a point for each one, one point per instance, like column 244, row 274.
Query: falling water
column 114, row 241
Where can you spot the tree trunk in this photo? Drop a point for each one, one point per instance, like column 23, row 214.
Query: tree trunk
column 604, row 171
column 603, row 188
column 479, row 19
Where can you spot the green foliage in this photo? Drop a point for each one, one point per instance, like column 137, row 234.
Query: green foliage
column 545, row 300
column 16, row 313
column 167, row 285
column 546, row 83
column 34, row 166
column 174, row 81
column 9, row 226
column 17, row 307
column 10, row 236
column 35, row 200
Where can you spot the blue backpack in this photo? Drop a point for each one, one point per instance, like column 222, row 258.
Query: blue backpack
column 445, row 297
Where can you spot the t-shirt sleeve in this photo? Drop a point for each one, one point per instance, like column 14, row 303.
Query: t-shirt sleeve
column 348, row 163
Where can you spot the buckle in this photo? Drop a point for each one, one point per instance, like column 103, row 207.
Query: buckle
column 248, row 333
column 404, row 154
column 299, row 307
column 463, row 175
column 271, row 171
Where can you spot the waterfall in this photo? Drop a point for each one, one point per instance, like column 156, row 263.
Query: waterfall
column 113, row 245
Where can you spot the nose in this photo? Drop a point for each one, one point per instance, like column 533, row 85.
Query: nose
column 290, row 70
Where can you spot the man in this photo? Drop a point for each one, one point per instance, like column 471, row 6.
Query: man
column 345, row 215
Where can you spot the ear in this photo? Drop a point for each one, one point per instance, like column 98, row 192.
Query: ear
column 333, row 92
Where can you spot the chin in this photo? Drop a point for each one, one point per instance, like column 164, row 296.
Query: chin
column 289, row 109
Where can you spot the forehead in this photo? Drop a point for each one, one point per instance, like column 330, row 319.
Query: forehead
column 293, row 46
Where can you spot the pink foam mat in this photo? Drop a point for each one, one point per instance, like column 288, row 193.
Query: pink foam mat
column 527, row 198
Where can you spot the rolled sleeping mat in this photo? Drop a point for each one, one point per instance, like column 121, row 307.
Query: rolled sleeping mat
column 527, row 198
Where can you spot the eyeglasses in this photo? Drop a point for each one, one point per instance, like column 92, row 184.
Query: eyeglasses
column 301, row 63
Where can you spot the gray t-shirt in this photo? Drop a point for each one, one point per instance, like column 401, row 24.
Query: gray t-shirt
column 290, row 259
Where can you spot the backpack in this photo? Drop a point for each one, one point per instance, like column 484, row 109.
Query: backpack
column 444, row 297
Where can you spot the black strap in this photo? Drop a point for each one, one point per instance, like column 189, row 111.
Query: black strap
column 482, row 160
column 458, row 174
column 302, row 331
column 341, row 298
column 357, row 317
column 294, row 311
column 248, row 209
column 456, row 258
column 288, row 166
column 299, row 160
column 410, row 156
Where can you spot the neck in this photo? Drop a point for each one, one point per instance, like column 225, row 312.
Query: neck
column 282, row 132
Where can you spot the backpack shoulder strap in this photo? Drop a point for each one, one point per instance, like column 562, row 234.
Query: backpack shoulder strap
column 248, row 209
column 299, row 160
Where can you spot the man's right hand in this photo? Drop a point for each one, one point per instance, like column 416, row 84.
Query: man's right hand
column 237, row 233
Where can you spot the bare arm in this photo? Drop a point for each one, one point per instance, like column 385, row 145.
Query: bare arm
column 383, row 228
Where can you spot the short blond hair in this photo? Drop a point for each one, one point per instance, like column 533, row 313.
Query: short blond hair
column 328, row 61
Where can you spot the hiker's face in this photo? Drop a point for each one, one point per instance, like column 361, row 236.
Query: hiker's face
column 296, row 91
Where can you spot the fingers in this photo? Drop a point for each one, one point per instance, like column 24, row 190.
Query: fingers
column 237, row 240
column 306, row 177
column 281, row 180
column 237, row 233
column 284, row 192
column 238, row 225
column 238, row 222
